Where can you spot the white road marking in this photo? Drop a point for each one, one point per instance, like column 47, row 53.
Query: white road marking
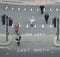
column 52, row 52
column 51, row 9
column 51, row 26
column 13, row 25
column 21, row 50
column 33, row 17
column 44, row 9
column 31, row 9
column 28, row 34
column 27, row 26
column 19, row 25
column 42, row 26
column 18, row 9
column 7, row 54
column 47, row 49
column 35, row 26
column 6, row 7
column 32, row 20
column 24, row 50
column 37, row 9
column 24, row 9
column 38, row 50
column 56, row 9
column 12, row 8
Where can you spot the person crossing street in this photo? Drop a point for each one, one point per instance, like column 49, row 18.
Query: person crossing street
column 46, row 17
column 18, row 38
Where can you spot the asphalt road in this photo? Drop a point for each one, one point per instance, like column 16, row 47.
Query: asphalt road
column 28, row 12
column 23, row 17
column 8, row 53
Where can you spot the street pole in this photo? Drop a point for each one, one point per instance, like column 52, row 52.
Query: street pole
column 58, row 29
column 6, row 18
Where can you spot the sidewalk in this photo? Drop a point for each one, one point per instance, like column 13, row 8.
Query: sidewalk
column 3, row 41
column 57, row 42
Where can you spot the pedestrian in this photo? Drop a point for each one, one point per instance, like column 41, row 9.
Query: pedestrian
column 32, row 25
column 41, row 8
column 46, row 17
column 18, row 38
column 16, row 28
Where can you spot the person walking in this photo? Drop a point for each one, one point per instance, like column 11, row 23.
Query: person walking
column 46, row 17
column 18, row 38
column 16, row 28
column 41, row 8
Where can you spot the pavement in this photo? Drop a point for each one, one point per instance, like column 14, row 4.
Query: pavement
column 3, row 41
column 56, row 42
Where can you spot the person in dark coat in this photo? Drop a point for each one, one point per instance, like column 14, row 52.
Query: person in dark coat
column 46, row 17
column 18, row 38
column 41, row 8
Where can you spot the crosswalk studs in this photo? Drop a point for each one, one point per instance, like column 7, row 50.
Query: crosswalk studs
column 56, row 9
column 44, row 9
column 27, row 26
column 51, row 26
column 51, row 9
column 42, row 26
column 35, row 26
column 7, row 54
